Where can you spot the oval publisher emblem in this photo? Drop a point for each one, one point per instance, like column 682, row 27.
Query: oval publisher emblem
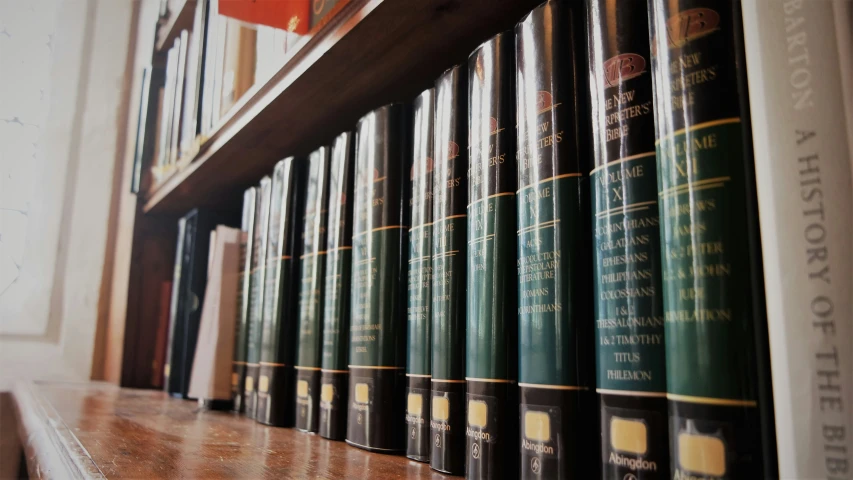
column 622, row 68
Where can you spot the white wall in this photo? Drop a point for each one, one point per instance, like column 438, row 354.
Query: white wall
column 65, row 77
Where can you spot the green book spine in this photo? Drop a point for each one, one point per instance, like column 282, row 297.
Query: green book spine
column 378, row 326
column 336, row 295
column 491, row 350
column 631, row 370
column 312, row 265
column 275, row 379
column 554, row 245
column 712, row 293
column 241, row 335
column 418, row 345
column 256, row 296
column 449, row 256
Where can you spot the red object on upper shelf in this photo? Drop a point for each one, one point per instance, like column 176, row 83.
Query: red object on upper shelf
column 290, row 15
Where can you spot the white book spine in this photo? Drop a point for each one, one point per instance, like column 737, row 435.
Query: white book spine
column 796, row 69
column 175, row 150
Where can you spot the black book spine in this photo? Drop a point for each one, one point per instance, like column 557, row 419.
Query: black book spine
column 241, row 334
column 449, row 257
column 256, row 296
column 378, row 298
column 629, row 325
column 312, row 265
column 418, row 354
column 336, row 295
column 280, row 309
column 176, row 309
column 554, row 245
column 720, row 407
column 492, row 327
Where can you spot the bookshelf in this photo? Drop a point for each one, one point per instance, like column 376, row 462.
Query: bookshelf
column 371, row 53
column 367, row 54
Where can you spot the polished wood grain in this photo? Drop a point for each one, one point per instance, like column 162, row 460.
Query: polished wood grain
column 371, row 53
column 97, row 430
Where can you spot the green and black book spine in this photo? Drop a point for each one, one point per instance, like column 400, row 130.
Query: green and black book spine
column 256, row 296
column 312, row 265
column 629, row 326
column 418, row 344
column 449, row 256
column 554, row 245
column 713, row 294
column 334, row 375
column 379, row 273
column 241, row 334
column 280, row 307
column 492, row 324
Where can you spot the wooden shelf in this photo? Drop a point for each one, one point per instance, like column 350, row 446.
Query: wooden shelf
column 372, row 53
column 181, row 18
column 96, row 430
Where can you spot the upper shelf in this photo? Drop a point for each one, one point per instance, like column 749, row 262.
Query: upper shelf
column 372, row 53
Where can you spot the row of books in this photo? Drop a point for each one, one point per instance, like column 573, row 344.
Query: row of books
column 570, row 258
column 208, row 68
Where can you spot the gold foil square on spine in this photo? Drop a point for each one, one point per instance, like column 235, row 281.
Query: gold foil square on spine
column 250, row 384
column 440, row 408
column 361, row 393
column 327, row 393
column 302, row 389
column 537, row 426
column 702, row 454
column 478, row 413
column 264, row 384
column 628, row 436
column 415, row 404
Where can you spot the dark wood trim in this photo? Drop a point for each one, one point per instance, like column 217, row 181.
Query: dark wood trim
column 179, row 19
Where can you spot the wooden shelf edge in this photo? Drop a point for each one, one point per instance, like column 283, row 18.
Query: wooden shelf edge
column 50, row 448
column 178, row 20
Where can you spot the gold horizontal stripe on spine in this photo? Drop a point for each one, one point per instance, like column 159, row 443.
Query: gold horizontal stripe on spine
column 531, row 228
column 418, row 375
column 622, row 160
column 379, row 229
column 462, row 215
column 550, row 179
column 326, row 370
column 270, row 364
column 370, row 367
column 504, row 194
column 684, row 187
column 338, row 248
column 553, row 387
column 316, row 369
column 699, row 126
column 322, row 252
column 237, row 362
column 548, row 109
column 420, row 226
column 481, row 239
column 630, row 393
column 448, row 253
column 251, row 364
column 439, row 380
column 625, row 208
column 260, row 267
column 419, row 259
column 488, row 380
column 726, row 402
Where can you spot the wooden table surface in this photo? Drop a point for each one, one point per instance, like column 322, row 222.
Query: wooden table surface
column 96, row 430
